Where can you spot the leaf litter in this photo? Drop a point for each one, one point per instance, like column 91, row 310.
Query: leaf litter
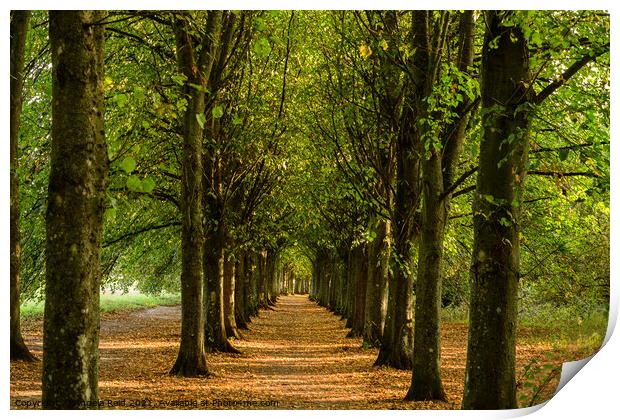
column 294, row 357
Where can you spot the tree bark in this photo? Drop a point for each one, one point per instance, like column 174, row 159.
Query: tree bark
column 242, row 291
column 359, row 270
column 196, row 66
column 19, row 29
column 230, row 323
column 214, row 262
column 397, row 345
column 437, row 177
column 74, row 218
column 252, row 275
column 375, row 305
column 490, row 369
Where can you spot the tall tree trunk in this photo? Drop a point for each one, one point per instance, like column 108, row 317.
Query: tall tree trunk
column 242, row 291
column 230, row 322
column 19, row 29
column 74, row 219
column 349, row 294
column 252, row 274
column 333, row 283
column 490, row 369
column 323, row 277
column 359, row 270
column 261, row 278
column 270, row 278
column 397, row 345
column 375, row 304
column 196, row 66
column 426, row 380
column 437, row 177
column 314, row 289
column 215, row 267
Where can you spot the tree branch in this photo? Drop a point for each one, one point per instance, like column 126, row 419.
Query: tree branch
column 570, row 72
column 140, row 231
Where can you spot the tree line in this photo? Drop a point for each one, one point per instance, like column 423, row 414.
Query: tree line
column 238, row 155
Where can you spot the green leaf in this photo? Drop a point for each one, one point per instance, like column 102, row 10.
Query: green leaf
column 148, row 185
column 201, row 119
column 139, row 93
column 120, row 99
column 489, row 198
column 110, row 213
column 198, row 87
column 536, row 38
column 134, row 183
column 262, row 47
column 179, row 79
column 563, row 154
column 259, row 24
column 217, row 111
column 128, row 164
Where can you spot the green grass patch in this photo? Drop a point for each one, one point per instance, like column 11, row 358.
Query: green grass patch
column 569, row 326
column 113, row 303
column 454, row 313
column 563, row 326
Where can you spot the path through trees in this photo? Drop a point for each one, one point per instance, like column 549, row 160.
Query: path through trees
column 297, row 355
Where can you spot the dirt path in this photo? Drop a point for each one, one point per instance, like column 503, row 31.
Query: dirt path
column 295, row 356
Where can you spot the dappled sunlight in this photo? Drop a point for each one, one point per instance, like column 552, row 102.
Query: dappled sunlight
column 297, row 355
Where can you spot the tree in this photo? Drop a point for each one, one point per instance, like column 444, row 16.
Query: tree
column 397, row 345
column 444, row 136
column 19, row 27
column 195, row 63
column 490, row 371
column 508, row 104
column 74, row 220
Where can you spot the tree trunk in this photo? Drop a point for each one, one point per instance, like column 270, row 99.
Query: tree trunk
column 426, row 380
column 242, row 290
column 19, row 29
column 437, row 177
column 333, row 280
column 375, row 305
column 270, row 278
column 196, row 66
column 230, row 322
column 74, row 219
column 252, row 277
column 214, row 262
column 490, row 369
column 359, row 270
column 397, row 345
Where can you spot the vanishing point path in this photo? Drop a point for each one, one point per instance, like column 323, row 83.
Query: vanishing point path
column 294, row 356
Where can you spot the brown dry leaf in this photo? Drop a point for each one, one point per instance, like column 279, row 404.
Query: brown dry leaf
column 297, row 356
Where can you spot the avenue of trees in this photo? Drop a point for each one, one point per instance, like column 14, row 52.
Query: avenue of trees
column 387, row 163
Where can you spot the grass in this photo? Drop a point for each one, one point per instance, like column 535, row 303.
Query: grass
column 563, row 326
column 113, row 303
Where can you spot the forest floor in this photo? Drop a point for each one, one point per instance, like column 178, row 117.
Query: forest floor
column 295, row 356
